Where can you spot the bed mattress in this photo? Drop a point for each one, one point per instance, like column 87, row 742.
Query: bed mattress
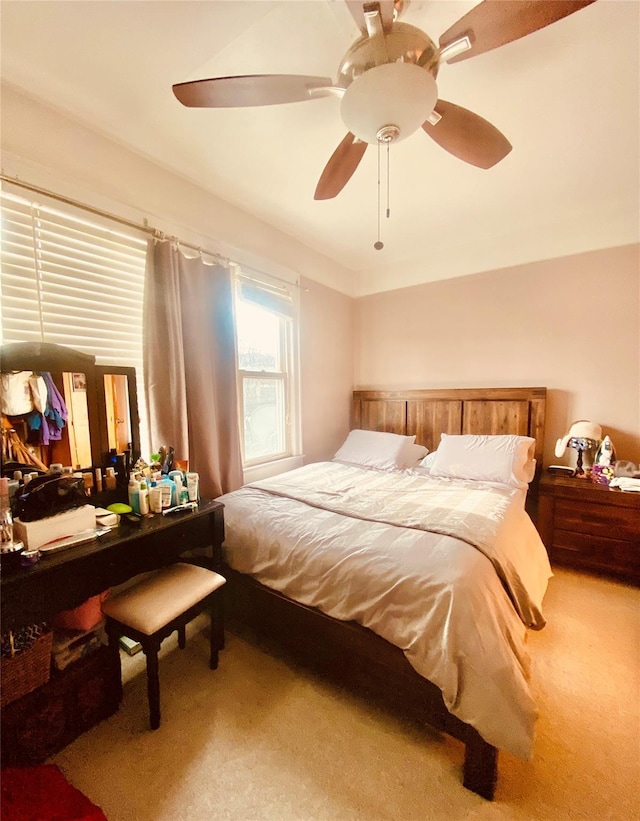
column 459, row 611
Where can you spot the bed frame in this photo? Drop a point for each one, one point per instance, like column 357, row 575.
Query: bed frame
column 353, row 655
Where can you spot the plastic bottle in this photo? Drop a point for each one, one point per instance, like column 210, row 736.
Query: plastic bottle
column 192, row 486
column 144, row 498
column 134, row 496
column 168, row 488
column 155, row 497
column 181, row 492
column 177, row 480
column 110, row 479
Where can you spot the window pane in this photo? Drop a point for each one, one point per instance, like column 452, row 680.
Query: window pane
column 258, row 338
column 264, row 417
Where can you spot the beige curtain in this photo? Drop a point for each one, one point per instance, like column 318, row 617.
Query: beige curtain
column 190, row 365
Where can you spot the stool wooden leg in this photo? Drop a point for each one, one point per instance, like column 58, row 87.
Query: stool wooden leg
column 113, row 634
column 182, row 637
column 151, row 649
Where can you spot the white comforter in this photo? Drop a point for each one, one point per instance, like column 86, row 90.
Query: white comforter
column 459, row 612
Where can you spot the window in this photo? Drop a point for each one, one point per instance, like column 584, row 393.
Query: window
column 69, row 279
column 266, row 330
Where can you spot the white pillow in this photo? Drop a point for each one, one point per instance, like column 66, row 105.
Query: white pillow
column 414, row 454
column 428, row 460
column 503, row 458
column 376, row 449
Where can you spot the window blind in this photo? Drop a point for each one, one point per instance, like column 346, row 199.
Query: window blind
column 71, row 281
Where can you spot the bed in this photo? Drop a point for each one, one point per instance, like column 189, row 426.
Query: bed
column 406, row 580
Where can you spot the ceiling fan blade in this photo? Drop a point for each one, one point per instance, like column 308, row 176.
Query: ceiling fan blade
column 357, row 9
column 467, row 136
column 339, row 170
column 250, row 90
column 494, row 23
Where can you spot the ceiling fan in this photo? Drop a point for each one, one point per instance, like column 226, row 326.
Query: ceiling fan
column 387, row 82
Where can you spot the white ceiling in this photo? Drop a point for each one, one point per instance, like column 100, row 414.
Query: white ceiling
column 567, row 98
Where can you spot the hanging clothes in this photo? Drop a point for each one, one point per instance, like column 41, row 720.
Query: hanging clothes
column 46, row 425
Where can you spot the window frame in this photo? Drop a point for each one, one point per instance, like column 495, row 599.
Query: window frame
column 288, row 373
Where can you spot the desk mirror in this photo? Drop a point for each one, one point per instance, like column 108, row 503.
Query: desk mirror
column 99, row 401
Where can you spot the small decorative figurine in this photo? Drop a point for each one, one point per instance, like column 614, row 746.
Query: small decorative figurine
column 606, row 454
column 604, row 463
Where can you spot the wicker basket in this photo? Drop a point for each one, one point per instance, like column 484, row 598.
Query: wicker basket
column 27, row 670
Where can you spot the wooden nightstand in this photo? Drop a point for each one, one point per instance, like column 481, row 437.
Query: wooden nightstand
column 591, row 527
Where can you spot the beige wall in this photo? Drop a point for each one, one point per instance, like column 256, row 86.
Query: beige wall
column 570, row 324
column 326, row 354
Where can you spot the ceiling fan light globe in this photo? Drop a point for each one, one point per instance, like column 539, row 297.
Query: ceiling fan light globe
column 399, row 94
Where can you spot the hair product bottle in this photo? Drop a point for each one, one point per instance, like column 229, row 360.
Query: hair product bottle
column 155, row 497
column 143, row 498
column 134, row 496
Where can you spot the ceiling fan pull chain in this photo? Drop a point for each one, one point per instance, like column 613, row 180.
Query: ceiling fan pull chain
column 378, row 245
column 388, row 178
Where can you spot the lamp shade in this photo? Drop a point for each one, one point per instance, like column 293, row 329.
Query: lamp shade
column 394, row 94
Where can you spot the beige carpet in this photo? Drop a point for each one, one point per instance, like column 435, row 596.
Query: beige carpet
column 259, row 739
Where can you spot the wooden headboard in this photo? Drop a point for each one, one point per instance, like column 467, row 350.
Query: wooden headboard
column 428, row 413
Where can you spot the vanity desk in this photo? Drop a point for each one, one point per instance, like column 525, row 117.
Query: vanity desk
column 64, row 579
column 42, row 722
column 101, row 428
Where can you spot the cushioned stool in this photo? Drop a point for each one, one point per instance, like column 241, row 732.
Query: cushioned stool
column 164, row 601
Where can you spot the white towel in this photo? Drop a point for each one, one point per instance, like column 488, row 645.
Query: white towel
column 626, row 483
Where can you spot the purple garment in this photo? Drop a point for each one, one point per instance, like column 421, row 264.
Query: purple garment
column 55, row 414
column 47, row 427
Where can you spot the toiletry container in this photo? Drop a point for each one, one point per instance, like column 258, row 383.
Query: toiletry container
column 134, row 496
column 144, row 498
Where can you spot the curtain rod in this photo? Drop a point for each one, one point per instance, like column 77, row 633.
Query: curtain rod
column 144, row 227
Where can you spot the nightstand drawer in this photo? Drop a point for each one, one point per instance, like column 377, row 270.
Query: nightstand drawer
column 596, row 552
column 598, row 520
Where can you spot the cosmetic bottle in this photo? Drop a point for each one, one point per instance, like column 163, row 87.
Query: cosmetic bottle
column 192, row 487
column 110, row 478
column 177, row 480
column 98, row 480
column 143, row 498
column 87, row 478
column 181, row 492
column 134, row 496
column 155, row 497
column 168, row 489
